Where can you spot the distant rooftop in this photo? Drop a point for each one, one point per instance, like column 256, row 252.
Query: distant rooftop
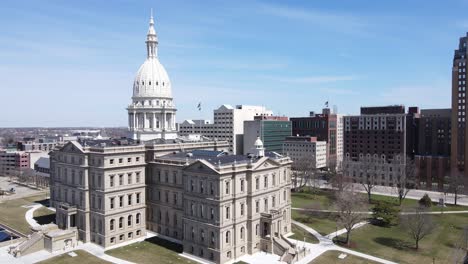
column 113, row 142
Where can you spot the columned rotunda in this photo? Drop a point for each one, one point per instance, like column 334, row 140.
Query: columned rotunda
column 151, row 115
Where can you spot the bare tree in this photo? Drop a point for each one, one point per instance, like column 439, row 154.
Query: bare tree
column 350, row 206
column 305, row 173
column 339, row 180
column 455, row 185
column 405, row 179
column 418, row 224
column 368, row 165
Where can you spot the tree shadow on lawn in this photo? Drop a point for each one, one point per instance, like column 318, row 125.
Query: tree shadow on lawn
column 395, row 243
column 44, row 202
column 311, row 217
column 45, row 219
column 166, row 244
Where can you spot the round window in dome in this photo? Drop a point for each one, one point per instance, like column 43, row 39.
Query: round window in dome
column 142, row 83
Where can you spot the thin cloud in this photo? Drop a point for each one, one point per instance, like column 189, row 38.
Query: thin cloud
column 315, row 79
column 341, row 22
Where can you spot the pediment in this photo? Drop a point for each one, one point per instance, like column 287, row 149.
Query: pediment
column 265, row 163
column 72, row 147
column 201, row 166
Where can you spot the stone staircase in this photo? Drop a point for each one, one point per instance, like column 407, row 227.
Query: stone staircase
column 285, row 249
column 35, row 241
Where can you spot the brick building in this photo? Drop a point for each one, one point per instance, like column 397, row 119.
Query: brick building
column 433, row 148
column 326, row 127
column 383, row 136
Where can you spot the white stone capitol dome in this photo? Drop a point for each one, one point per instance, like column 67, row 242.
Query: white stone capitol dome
column 151, row 79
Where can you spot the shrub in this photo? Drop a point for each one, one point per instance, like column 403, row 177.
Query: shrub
column 425, row 201
column 385, row 214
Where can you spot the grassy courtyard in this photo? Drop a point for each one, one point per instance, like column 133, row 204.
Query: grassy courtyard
column 82, row 257
column 12, row 212
column 153, row 250
column 393, row 243
column 331, row 257
column 300, row 234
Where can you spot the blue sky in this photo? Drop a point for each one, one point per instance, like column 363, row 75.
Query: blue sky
column 72, row 63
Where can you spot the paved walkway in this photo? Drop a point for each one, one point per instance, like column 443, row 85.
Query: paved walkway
column 326, row 243
column 30, row 214
column 403, row 213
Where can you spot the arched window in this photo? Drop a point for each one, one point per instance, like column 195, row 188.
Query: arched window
column 112, row 224
column 138, row 216
column 242, row 232
column 129, row 220
column 256, row 229
column 228, row 234
column 121, row 219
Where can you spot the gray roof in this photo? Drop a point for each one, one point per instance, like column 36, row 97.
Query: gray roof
column 43, row 162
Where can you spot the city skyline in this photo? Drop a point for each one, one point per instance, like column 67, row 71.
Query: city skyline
column 233, row 54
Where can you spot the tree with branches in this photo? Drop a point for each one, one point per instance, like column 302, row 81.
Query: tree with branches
column 339, row 179
column 350, row 206
column 455, row 185
column 405, row 179
column 367, row 169
column 417, row 223
column 305, row 173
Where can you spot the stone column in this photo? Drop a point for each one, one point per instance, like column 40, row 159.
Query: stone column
column 144, row 121
column 134, row 120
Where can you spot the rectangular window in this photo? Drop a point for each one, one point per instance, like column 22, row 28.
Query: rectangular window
column 112, row 203
column 120, row 160
column 111, row 161
column 137, row 177
column 129, row 160
column 242, row 186
column 120, row 201
column 257, row 206
column 129, row 199
column 129, row 178
column 228, row 212
column 121, row 179
column 227, row 187
column 111, row 181
column 257, row 183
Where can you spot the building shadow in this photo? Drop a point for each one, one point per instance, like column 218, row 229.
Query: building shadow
column 166, row 244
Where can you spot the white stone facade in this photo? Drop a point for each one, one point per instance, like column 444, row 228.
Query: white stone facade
column 100, row 190
column 306, row 150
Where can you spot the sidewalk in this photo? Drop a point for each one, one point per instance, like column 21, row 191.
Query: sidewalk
column 326, row 243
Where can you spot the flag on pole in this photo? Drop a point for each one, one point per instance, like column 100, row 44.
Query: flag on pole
column 199, row 106
column 326, row 104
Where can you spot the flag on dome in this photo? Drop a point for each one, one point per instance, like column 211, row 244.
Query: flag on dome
column 199, row 106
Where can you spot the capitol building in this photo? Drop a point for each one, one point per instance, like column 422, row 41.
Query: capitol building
column 190, row 190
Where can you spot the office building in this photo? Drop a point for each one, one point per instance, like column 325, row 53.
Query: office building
column 272, row 130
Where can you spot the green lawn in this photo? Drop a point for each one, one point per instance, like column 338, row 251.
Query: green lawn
column 153, row 250
column 324, row 223
column 12, row 214
column 393, row 243
column 316, row 199
column 300, row 233
column 331, row 257
column 83, row 257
